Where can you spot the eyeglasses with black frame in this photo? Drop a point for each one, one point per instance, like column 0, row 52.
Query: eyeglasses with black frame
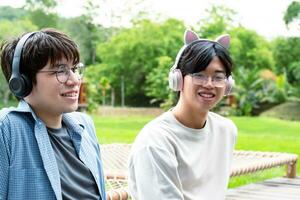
column 64, row 71
column 218, row 80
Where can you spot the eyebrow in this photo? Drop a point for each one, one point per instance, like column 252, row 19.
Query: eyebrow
column 57, row 65
column 220, row 71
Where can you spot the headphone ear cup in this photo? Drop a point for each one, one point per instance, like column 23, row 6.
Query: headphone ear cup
column 20, row 86
column 229, row 85
column 27, row 85
column 175, row 79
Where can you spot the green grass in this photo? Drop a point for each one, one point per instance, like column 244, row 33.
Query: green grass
column 266, row 134
column 121, row 129
column 254, row 133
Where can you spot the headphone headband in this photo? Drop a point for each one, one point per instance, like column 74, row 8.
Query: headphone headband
column 189, row 38
column 19, row 84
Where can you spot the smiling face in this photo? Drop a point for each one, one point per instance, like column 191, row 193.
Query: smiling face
column 49, row 97
column 202, row 98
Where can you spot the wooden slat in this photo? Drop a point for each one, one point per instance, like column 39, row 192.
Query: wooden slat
column 272, row 189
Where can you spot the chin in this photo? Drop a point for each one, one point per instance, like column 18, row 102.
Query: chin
column 206, row 106
column 71, row 109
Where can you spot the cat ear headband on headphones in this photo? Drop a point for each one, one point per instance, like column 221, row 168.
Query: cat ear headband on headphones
column 175, row 75
column 19, row 84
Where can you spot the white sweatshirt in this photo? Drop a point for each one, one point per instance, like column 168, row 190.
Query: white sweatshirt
column 171, row 161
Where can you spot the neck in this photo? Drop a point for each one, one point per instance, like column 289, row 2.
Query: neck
column 51, row 120
column 188, row 117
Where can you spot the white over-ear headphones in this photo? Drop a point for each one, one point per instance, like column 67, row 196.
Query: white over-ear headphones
column 175, row 75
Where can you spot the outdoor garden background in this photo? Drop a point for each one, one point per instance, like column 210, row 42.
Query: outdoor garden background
column 127, row 68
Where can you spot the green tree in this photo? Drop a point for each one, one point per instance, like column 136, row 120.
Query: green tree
column 92, row 76
column 42, row 19
column 46, row 5
column 285, row 51
column 249, row 50
column 85, row 34
column 104, row 86
column 157, row 81
column 132, row 54
column 252, row 54
column 10, row 13
column 9, row 29
column 218, row 20
column 42, row 13
column 292, row 12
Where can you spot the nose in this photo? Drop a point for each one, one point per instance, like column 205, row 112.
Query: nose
column 208, row 83
column 73, row 79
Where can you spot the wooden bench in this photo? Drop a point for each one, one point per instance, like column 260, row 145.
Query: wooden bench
column 115, row 158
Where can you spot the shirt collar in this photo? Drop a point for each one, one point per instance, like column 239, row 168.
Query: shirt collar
column 68, row 118
column 24, row 107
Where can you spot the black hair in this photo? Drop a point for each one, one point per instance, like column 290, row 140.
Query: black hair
column 47, row 45
column 197, row 56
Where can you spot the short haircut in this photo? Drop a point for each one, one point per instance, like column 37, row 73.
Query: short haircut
column 197, row 56
column 46, row 45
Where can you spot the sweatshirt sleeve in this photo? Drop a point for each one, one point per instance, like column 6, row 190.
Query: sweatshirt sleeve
column 153, row 175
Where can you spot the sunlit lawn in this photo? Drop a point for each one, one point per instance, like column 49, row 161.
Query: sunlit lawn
column 266, row 134
column 255, row 133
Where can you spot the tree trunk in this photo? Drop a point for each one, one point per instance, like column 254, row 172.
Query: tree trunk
column 112, row 97
column 103, row 97
column 122, row 92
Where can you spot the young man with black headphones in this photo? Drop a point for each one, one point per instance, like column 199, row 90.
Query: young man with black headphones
column 47, row 151
column 186, row 153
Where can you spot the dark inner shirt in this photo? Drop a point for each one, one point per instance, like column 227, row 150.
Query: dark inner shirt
column 77, row 182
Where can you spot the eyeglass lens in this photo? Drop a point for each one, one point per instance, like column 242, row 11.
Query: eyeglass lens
column 63, row 72
column 217, row 80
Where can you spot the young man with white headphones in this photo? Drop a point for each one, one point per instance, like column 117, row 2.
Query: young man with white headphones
column 186, row 153
column 47, row 151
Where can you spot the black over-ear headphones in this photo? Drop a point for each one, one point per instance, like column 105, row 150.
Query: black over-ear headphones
column 19, row 84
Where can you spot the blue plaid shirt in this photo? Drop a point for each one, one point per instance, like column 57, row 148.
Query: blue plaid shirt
column 28, row 168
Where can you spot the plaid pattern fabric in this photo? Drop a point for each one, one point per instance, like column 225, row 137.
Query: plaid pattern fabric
column 28, row 168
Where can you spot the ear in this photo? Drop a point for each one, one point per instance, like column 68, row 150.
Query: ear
column 190, row 36
column 224, row 40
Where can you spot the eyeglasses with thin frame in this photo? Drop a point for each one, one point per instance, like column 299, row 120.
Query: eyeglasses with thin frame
column 218, row 80
column 63, row 72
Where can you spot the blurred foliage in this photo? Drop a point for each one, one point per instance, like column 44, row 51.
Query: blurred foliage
column 135, row 53
column 139, row 57
column 292, row 12
column 11, row 14
column 157, row 81
column 85, row 35
column 42, row 19
column 45, row 5
column 218, row 20
column 286, row 53
column 249, row 50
